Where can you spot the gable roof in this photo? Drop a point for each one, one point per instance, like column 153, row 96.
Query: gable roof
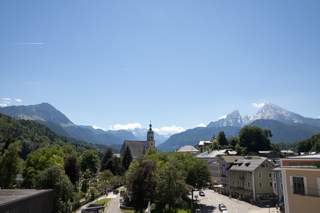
column 231, row 159
column 248, row 165
column 136, row 147
column 188, row 148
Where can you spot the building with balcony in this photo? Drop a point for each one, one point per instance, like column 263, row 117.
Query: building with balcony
column 301, row 183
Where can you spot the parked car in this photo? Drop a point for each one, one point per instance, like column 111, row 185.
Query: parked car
column 224, row 211
column 201, row 193
column 116, row 191
column 222, row 207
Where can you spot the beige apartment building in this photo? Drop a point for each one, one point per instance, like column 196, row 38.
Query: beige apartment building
column 301, row 180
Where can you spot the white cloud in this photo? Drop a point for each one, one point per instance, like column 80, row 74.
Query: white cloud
column 222, row 117
column 3, row 105
column 255, row 105
column 125, row 127
column 6, row 99
column 172, row 128
column 96, row 127
column 318, row 116
column 6, row 102
column 18, row 100
column 156, row 129
column 201, row 125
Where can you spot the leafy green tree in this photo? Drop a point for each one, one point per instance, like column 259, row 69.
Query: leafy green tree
column 233, row 141
column 39, row 160
column 72, row 169
column 197, row 171
column 151, row 151
column 141, row 181
column 238, row 149
column 10, row 165
column 275, row 147
column 89, row 160
column 53, row 177
column 254, row 138
column 171, row 186
column 222, row 140
column 213, row 138
column 127, row 158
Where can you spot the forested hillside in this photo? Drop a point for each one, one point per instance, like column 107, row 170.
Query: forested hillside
column 33, row 135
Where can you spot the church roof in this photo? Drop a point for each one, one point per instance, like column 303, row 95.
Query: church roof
column 136, row 147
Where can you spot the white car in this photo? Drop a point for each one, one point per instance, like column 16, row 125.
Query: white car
column 224, row 211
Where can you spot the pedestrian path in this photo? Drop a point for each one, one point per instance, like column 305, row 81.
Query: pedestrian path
column 110, row 195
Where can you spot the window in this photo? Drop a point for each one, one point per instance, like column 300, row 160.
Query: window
column 242, row 175
column 281, row 185
column 263, row 165
column 274, row 175
column 298, row 185
column 280, row 175
column 248, row 184
column 243, row 183
column 270, row 175
column 260, row 184
column 237, row 174
column 259, row 175
column 270, row 184
column 275, row 185
column 238, row 183
column 232, row 182
column 248, row 175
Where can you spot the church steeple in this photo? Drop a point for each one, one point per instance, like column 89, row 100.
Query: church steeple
column 150, row 137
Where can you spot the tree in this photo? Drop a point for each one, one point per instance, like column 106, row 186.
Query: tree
column 89, row 160
column 108, row 154
column 171, row 185
column 127, row 158
column 72, row 169
column 110, row 165
column 119, row 169
column 53, row 177
column 213, row 138
column 197, row 171
column 222, row 140
column 233, row 141
column 141, row 181
column 254, row 138
column 39, row 160
column 10, row 165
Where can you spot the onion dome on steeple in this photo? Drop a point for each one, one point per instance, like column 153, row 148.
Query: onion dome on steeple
column 150, row 129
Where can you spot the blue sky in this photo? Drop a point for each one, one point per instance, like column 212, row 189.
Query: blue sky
column 112, row 63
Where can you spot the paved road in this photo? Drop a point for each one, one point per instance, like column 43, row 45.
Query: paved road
column 114, row 202
column 211, row 200
column 113, row 205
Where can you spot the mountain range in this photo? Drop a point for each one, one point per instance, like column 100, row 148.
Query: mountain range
column 49, row 116
column 285, row 126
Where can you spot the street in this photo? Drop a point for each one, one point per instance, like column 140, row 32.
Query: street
column 210, row 202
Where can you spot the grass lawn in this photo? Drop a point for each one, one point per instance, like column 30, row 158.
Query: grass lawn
column 123, row 188
column 126, row 211
column 103, row 201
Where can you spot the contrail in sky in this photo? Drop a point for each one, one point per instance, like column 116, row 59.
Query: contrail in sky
column 25, row 43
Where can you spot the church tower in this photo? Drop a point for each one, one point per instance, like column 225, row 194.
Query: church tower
column 150, row 137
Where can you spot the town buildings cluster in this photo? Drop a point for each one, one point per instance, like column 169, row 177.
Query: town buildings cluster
column 289, row 180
